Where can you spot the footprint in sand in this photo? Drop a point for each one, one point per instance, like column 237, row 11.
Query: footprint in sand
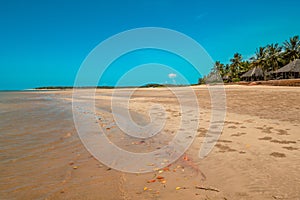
column 224, row 148
column 265, row 138
column 281, row 132
column 249, row 121
column 265, row 129
column 278, row 155
column 214, row 126
column 225, row 141
column 238, row 134
column 283, row 141
column 202, row 132
column 290, row 148
column 231, row 122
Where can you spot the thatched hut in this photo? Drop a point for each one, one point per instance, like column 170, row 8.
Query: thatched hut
column 226, row 78
column 289, row 71
column 255, row 74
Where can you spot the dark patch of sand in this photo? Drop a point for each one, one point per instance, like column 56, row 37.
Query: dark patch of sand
column 278, row 155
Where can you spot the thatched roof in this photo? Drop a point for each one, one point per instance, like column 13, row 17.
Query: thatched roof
column 253, row 72
column 226, row 77
column 293, row 66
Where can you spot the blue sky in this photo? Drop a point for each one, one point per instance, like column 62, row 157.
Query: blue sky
column 43, row 43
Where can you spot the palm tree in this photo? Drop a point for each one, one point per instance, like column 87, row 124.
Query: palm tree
column 226, row 76
column 235, row 65
column 227, row 70
column 216, row 72
column 244, row 67
column 273, row 57
column 292, row 49
column 259, row 60
column 218, row 68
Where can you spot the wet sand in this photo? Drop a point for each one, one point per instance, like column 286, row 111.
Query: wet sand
column 256, row 157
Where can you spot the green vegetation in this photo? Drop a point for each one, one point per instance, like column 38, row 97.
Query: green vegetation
column 150, row 85
column 54, row 88
column 70, row 87
column 153, row 85
column 269, row 58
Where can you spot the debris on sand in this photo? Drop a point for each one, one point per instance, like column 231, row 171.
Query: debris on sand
column 207, row 188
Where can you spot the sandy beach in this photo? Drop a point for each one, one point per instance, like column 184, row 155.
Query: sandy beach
column 256, row 157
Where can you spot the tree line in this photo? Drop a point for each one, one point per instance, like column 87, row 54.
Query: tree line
column 268, row 58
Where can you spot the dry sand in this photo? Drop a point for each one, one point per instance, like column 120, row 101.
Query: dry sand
column 256, row 157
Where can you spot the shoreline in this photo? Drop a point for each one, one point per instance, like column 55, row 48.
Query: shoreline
column 281, row 82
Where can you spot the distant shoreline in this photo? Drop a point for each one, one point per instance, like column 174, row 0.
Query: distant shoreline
column 282, row 82
column 109, row 87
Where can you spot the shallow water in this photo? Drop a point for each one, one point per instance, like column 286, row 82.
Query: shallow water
column 39, row 146
column 32, row 125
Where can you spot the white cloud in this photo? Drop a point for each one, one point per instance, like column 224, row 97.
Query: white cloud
column 171, row 75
